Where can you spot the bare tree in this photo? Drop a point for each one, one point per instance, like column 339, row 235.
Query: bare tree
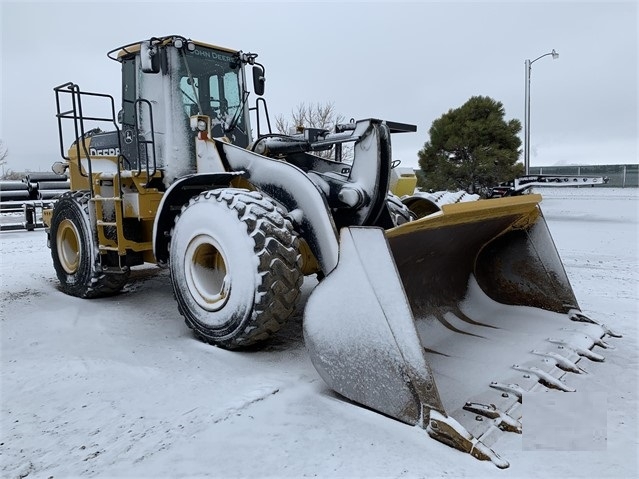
column 314, row 115
column 4, row 153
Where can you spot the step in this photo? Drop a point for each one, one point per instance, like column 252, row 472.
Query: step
column 106, row 198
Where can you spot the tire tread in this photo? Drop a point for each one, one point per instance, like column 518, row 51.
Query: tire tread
column 99, row 283
column 276, row 247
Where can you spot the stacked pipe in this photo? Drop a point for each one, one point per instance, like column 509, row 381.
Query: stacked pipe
column 46, row 186
column 14, row 190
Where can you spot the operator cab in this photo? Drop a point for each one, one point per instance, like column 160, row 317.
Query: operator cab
column 168, row 80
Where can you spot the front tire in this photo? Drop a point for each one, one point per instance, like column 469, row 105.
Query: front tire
column 235, row 267
column 74, row 251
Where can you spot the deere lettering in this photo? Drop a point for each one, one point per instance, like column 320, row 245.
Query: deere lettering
column 212, row 55
column 104, row 152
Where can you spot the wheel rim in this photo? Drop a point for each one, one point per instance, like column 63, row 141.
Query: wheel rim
column 68, row 245
column 206, row 273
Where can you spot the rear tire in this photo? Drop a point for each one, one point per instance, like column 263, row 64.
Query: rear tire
column 399, row 212
column 235, row 267
column 74, row 251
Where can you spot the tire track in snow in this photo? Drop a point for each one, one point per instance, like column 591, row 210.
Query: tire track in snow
column 117, row 436
column 246, row 402
column 199, row 421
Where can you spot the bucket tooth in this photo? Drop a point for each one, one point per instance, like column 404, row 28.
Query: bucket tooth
column 545, row 378
column 577, row 315
column 585, row 352
column 560, row 361
column 447, row 430
column 595, row 340
column 502, row 420
column 511, row 388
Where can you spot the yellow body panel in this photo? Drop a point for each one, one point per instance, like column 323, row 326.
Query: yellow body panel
column 404, row 185
column 46, row 217
column 474, row 212
column 137, row 201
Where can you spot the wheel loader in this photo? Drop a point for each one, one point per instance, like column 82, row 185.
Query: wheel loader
column 440, row 316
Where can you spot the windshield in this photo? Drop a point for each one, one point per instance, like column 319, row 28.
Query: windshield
column 209, row 82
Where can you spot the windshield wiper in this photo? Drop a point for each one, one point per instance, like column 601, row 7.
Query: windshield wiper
column 238, row 114
column 192, row 83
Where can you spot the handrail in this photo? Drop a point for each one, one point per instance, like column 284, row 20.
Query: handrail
column 80, row 134
column 145, row 142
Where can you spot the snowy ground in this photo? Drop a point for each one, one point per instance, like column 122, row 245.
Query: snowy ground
column 119, row 387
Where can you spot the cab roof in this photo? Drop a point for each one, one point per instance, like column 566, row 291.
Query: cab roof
column 134, row 48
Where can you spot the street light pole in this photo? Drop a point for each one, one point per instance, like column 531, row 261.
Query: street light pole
column 528, row 65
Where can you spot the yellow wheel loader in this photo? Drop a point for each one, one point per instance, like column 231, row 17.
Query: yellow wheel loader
column 438, row 316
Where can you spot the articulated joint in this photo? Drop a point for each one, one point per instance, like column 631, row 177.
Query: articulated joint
column 352, row 196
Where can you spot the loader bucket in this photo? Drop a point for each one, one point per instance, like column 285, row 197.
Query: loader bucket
column 445, row 322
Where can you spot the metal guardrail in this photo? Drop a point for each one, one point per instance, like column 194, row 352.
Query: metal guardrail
column 619, row 175
column 23, row 201
column 18, row 215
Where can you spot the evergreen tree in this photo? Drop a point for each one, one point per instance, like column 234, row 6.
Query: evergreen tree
column 471, row 148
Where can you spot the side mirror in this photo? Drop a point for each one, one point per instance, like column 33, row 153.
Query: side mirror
column 59, row 168
column 258, row 80
column 149, row 58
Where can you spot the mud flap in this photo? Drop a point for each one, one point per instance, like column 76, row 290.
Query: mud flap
column 361, row 338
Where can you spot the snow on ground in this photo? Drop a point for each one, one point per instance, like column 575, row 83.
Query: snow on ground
column 119, row 387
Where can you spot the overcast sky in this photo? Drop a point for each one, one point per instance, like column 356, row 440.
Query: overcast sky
column 402, row 61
